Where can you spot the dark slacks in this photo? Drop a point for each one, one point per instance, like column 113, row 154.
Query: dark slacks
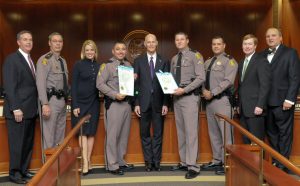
column 280, row 129
column 20, row 139
column 255, row 125
column 152, row 146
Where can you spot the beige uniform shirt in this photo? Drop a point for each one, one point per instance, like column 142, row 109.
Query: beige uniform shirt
column 108, row 80
column 49, row 74
column 222, row 74
column 192, row 69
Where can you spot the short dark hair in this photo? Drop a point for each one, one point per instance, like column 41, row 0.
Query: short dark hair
column 119, row 42
column 182, row 33
column 219, row 37
column 23, row 32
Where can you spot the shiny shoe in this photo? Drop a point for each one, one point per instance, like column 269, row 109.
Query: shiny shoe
column 179, row 167
column 85, row 173
column 220, row 171
column 127, row 167
column 28, row 175
column 157, row 166
column 211, row 166
column 117, row 172
column 17, row 180
column 191, row 174
column 148, row 167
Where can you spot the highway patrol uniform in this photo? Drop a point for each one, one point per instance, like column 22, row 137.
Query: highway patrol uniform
column 50, row 80
column 223, row 69
column 117, row 117
column 186, row 106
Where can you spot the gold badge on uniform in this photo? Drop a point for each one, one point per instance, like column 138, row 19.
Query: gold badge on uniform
column 44, row 62
column 201, row 62
column 231, row 62
column 219, row 63
column 198, row 55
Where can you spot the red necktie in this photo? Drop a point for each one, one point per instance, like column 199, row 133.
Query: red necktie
column 31, row 66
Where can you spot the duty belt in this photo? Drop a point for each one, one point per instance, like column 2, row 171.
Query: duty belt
column 58, row 93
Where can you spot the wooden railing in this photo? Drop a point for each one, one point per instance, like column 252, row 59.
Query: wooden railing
column 62, row 164
column 258, row 158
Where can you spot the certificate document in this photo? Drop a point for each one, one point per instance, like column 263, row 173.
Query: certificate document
column 126, row 80
column 167, row 82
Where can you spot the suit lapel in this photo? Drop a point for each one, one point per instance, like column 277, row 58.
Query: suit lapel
column 158, row 63
column 25, row 64
column 241, row 64
column 277, row 53
column 250, row 65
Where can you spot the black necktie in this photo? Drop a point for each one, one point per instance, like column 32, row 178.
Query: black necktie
column 207, row 84
column 65, row 88
column 151, row 67
column 178, row 69
column 271, row 50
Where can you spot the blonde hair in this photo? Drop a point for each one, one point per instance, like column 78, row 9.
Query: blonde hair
column 251, row 36
column 94, row 46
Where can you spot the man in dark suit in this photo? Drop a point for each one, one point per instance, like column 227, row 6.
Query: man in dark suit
column 254, row 85
column 151, row 103
column 20, row 107
column 285, row 72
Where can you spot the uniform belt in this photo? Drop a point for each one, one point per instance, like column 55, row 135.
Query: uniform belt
column 58, row 93
column 196, row 92
column 219, row 96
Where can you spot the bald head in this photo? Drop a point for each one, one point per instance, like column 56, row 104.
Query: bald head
column 151, row 43
column 273, row 37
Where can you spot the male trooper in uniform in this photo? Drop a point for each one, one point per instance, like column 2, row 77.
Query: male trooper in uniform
column 117, row 111
column 188, row 69
column 220, row 75
column 51, row 80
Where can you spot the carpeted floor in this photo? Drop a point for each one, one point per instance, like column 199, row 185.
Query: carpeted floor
column 138, row 177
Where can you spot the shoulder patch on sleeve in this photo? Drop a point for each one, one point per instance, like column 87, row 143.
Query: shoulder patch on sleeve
column 198, row 55
column 102, row 67
column 231, row 62
column 45, row 61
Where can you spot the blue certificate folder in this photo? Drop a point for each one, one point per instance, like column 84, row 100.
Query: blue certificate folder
column 167, row 82
column 126, row 80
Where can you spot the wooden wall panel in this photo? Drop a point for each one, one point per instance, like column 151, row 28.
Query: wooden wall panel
column 134, row 152
column 291, row 23
column 110, row 21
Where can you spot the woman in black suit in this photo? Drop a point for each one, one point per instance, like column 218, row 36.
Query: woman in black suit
column 85, row 99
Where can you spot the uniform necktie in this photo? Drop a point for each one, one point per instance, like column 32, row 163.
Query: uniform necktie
column 178, row 69
column 151, row 67
column 65, row 88
column 207, row 83
column 31, row 65
column 246, row 62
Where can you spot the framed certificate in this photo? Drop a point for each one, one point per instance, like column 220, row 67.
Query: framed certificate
column 167, row 82
column 126, row 80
